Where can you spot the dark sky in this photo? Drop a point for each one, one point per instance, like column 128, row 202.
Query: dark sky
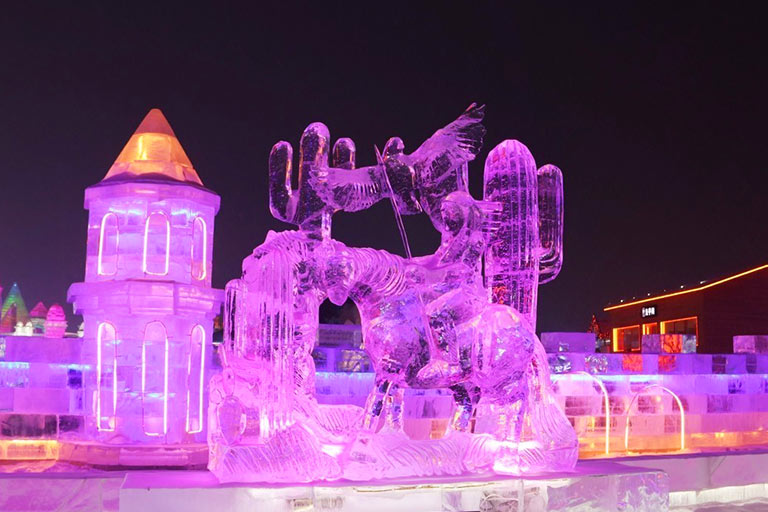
column 654, row 111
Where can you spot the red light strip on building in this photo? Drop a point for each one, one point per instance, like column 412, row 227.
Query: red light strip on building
column 692, row 290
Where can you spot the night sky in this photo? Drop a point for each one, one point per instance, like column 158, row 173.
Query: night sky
column 655, row 113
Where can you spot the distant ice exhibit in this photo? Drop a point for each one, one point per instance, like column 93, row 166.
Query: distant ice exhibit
column 432, row 322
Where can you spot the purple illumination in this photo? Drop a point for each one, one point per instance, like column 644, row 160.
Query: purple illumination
column 427, row 322
column 147, row 300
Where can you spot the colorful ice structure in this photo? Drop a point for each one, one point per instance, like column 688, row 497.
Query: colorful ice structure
column 14, row 310
column 37, row 316
column 428, row 323
column 147, row 299
column 55, row 322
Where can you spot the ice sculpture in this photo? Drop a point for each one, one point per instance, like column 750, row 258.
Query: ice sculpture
column 14, row 310
column 55, row 322
column 427, row 322
column 147, row 300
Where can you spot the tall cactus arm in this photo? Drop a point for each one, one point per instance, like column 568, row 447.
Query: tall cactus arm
column 512, row 254
column 301, row 207
column 550, row 192
column 312, row 214
column 344, row 154
column 282, row 202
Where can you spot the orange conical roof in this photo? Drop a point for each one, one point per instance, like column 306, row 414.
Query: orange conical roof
column 153, row 151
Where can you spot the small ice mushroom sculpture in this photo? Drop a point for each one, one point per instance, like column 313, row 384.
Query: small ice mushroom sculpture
column 55, row 322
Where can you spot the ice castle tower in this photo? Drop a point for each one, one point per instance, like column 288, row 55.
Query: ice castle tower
column 147, row 300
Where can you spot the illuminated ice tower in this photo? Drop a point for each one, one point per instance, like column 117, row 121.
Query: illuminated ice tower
column 147, row 299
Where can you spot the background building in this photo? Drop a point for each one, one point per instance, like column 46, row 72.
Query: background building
column 712, row 313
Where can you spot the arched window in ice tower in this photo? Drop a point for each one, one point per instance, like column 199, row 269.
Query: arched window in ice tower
column 157, row 244
column 195, row 380
column 106, row 377
column 109, row 237
column 199, row 248
column 154, row 379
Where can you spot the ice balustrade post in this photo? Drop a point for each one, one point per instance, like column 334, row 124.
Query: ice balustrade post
column 634, row 399
column 606, row 404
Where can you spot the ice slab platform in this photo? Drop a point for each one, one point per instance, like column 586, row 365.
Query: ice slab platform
column 690, row 482
column 595, row 485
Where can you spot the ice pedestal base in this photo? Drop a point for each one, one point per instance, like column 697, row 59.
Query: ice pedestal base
column 128, row 456
column 678, row 483
column 594, row 486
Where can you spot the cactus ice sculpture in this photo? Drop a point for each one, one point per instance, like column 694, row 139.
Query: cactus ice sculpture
column 550, row 188
column 528, row 250
column 427, row 322
column 304, row 208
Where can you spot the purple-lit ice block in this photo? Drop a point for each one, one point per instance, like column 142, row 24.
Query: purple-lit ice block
column 668, row 343
column 568, row 341
column 41, row 396
column 723, row 398
column 750, row 344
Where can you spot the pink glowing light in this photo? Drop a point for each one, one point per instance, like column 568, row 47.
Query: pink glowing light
column 110, row 268
column 607, row 405
column 199, row 248
column 148, row 227
column 106, row 334
column 196, row 339
column 153, row 333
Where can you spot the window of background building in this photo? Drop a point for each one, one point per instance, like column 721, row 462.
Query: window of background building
column 626, row 339
column 652, row 328
column 195, row 380
column 688, row 326
column 106, row 376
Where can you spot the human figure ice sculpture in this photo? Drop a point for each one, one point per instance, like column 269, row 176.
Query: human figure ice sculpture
column 427, row 323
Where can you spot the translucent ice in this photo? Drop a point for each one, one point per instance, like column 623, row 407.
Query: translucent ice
column 427, row 322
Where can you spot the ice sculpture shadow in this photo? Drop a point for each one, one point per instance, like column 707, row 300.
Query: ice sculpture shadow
column 427, row 322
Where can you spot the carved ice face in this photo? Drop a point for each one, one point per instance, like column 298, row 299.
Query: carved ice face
column 459, row 211
column 337, row 279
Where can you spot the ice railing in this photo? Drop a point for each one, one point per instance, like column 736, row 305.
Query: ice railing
column 724, row 400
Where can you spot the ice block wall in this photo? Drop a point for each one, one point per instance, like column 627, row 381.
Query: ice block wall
column 41, row 397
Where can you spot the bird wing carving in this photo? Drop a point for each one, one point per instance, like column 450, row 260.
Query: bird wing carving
column 349, row 190
column 450, row 146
